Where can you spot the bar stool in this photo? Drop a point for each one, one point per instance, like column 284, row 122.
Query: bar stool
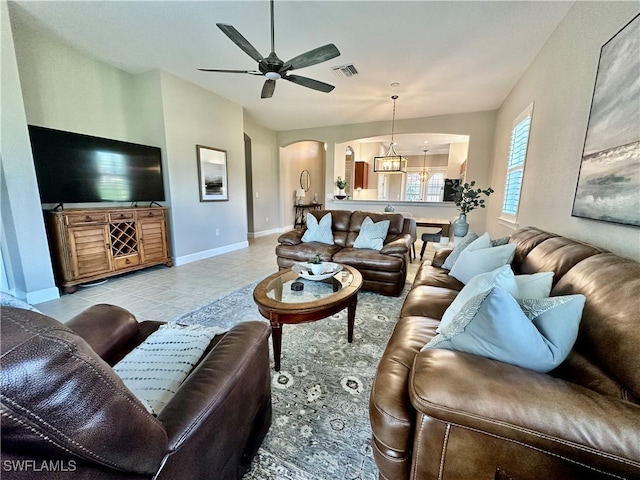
column 432, row 236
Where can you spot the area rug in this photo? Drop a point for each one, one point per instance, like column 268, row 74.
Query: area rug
column 320, row 427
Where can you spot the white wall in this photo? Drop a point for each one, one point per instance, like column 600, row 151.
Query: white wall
column 25, row 257
column 560, row 82
column 303, row 155
column 63, row 88
column 265, row 172
column 194, row 116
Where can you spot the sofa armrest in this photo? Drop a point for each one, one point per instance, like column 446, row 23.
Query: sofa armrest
column 216, row 410
column 440, row 256
column 398, row 246
column 292, row 237
column 106, row 328
column 527, row 407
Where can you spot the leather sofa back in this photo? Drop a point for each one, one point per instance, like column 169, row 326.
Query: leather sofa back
column 341, row 219
column 346, row 224
column 608, row 348
column 46, row 367
column 606, row 357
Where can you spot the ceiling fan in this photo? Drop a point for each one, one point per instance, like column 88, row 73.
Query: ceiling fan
column 273, row 68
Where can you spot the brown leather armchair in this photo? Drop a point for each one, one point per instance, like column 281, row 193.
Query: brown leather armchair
column 66, row 414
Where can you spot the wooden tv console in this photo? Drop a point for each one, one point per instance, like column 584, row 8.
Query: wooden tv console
column 92, row 244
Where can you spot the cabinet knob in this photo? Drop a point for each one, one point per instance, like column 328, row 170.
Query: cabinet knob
column 127, row 261
column 87, row 218
column 122, row 215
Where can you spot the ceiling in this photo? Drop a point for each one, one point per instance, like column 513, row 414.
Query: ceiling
column 446, row 57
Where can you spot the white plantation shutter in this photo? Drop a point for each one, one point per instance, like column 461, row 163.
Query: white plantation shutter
column 515, row 164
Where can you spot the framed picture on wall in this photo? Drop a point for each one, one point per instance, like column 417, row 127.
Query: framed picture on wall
column 212, row 174
column 609, row 179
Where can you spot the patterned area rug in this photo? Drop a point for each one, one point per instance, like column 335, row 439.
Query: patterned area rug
column 320, row 426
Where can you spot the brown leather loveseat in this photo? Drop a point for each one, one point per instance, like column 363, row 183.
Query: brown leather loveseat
column 443, row 414
column 384, row 271
column 67, row 415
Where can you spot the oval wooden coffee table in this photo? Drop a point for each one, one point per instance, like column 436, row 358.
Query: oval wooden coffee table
column 319, row 299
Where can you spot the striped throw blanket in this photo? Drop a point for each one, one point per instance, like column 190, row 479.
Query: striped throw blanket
column 156, row 368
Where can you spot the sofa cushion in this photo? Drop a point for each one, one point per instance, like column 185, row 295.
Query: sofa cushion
column 537, row 336
column 396, row 225
column 366, row 259
column 458, row 249
column 318, row 231
column 372, row 235
column 500, row 277
column 480, row 257
column 535, row 285
column 557, row 255
column 303, row 251
column 341, row 220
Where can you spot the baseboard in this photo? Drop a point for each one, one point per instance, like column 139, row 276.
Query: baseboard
column 264, row 233
column 38, row 296
column 194, row 257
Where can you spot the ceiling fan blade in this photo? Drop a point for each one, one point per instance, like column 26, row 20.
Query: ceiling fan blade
column 312, row 57
column 310, row 83
column 236, row 37
column 251, row 72
column 268, row 88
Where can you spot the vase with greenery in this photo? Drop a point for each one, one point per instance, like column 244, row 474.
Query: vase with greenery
column 341, row 184
column 315, row 264
column 467, row 198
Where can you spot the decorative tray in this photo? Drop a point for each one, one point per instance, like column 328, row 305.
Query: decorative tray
column 329, row 269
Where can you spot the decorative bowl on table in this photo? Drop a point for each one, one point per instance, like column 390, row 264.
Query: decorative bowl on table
column 340, row 197
column 329, row 269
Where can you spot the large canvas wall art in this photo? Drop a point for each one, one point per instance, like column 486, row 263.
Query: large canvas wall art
column 609, row 180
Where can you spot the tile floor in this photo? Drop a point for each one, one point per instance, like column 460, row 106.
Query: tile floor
column 162, row 293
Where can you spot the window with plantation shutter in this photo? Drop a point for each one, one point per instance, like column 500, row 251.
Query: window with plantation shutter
column 515, row 165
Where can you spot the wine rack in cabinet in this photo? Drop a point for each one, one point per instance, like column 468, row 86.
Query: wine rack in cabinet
column 89, row 245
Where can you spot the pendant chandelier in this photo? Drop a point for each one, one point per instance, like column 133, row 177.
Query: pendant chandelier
column 391, row 162
column 424, row 174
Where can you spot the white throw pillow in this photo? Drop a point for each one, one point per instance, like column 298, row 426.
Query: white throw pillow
column 457, row 250
column 372, row 234
column 318, row 231
column 480, row 257
column 536, row 285
column 502, row 277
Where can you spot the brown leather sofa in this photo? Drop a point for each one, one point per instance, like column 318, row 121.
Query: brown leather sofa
column 384, row 271
column 441, row 414
column 65, row 413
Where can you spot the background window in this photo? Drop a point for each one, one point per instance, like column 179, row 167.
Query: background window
column 515, row 164
column 431, row 191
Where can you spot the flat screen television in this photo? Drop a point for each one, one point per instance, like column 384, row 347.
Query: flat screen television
column 450, row 185
column 75, row 168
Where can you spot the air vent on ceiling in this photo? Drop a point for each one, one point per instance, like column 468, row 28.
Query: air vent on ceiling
column 345, row 70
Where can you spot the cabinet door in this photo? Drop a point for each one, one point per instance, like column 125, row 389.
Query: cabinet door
column 89, row 248
column 153, row 240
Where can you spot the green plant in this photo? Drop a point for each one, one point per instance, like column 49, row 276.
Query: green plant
column 316, row 259
column 341, row 184
column 468, row 198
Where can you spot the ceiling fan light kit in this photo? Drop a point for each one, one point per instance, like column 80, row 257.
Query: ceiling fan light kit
column 273, row 68
column 391, row 162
